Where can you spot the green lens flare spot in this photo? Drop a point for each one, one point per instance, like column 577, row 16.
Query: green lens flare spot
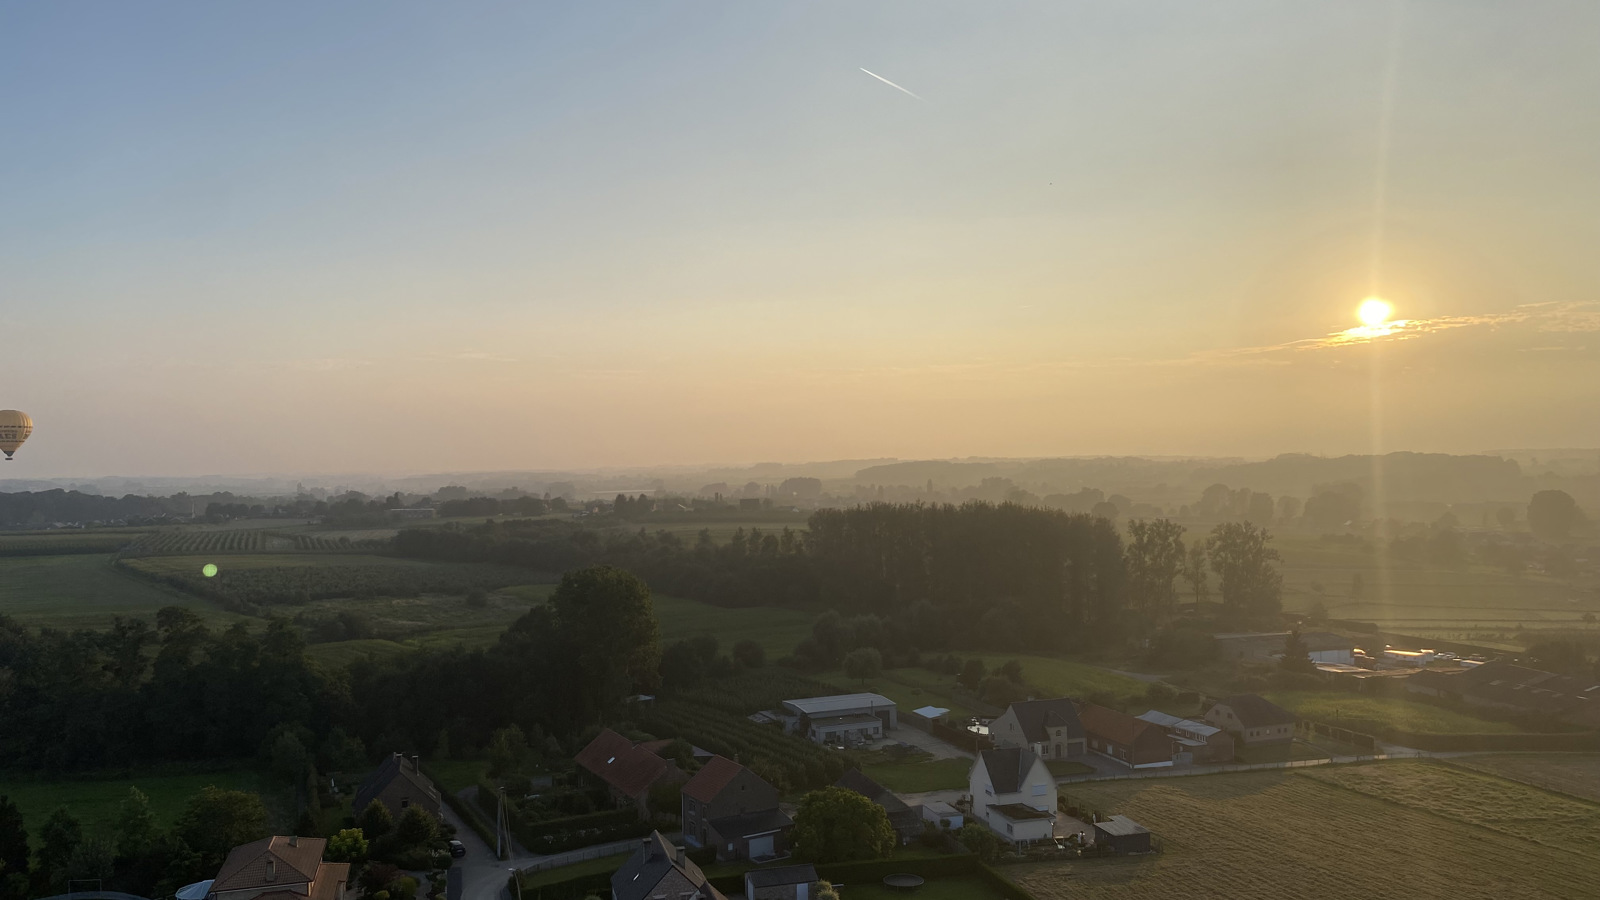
column 210, row 570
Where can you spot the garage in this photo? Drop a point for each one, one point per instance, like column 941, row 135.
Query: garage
column 761, row 847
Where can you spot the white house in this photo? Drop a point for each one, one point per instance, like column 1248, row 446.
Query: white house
column 1014, row 794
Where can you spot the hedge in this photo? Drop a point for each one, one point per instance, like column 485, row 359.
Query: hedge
column 574, row 832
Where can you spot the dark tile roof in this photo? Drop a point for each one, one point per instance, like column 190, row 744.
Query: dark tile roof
column 1007, row 767
column 630, row 768
column 1121, row 825
column 1036, row 717
column 655, row 868
column 1254, row 711
column 760, row 822
column 395, row 766
column 715, row 775
column 780, row 876
column 855, row 780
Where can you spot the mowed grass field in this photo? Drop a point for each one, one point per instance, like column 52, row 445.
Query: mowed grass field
column 1362, row 713
column 1441, row 834
column 776, row 630
column 95, row 801
column 86, row 591
column 1568, row 773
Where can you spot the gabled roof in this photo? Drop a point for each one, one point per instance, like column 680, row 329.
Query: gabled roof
column 1008, row 768
column 657, row 868
column 764, row 821
column 1178, row 723
column 838, row 704
column 1121, row 825
column 715, row 775
column 1254, row 711
column 630, row 768
column 781, row 876
column 1117, row 727
column 393, row 767
column 1038, row 717
column 854, row 780
column 294, row 861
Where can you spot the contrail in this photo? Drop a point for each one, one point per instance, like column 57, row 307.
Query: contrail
column 892, row 84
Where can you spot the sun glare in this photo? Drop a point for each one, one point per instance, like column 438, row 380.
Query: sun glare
column 1374, row 312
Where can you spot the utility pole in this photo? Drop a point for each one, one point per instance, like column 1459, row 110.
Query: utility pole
column 502, row 831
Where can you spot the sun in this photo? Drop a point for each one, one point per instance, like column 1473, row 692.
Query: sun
column 1374, row 312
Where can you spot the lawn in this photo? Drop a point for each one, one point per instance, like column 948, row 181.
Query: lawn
column 1065, row 678
column 1569, row 773
column 1294, row 750
column 95, row 801
column 922, row 775
column 1418, row 829
column 455, row 775
column 957, row 888
column 86, row 591
column 1360, row 713
column 777, row 630
column 1066, row 768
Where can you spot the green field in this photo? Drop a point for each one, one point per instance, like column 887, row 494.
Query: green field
column 86, row 591
column 95, row 801
column 1568, row 773
column 776, row 630
column 915, row 777
column 1065, row 678
column 1361, row 713
column 1440, row 834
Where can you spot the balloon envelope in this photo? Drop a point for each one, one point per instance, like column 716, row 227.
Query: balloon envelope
column 15, row 426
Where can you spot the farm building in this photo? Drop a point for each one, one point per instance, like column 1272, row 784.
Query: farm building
column 730, row 808
column 1502, row 685
column 399, row 784
column 781, row 883
column 1122, row 835
column 1252, row 719
column 1198, row 741
column 906, row 819
column 658, row 869
column 629, row 770
column 1050, row 728
column 1014, row 794
column 1130, row 741
column 1266, row 647
column 842, row 718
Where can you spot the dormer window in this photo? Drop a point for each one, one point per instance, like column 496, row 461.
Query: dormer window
column 272, row 870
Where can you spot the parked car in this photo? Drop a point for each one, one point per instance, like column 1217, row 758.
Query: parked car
column 457, row 849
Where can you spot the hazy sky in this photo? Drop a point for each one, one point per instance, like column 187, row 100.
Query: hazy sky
column 248, row 237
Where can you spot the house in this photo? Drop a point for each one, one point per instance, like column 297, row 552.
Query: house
column 1014, row 794
column 280, row 868
column 1252, row 719
column 1122, row 835
column 781, row 883
column 1198, row 741
column 1050, row 728
column 905, row 819
column 399, row 784
column 629, row 770
column 730, row 808
column 942, row 814
column 1268, row 647
column 1503, row 685
column 658, row 869
column 842, row 718
column 1130, row 741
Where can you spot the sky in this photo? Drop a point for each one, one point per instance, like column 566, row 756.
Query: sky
column 407, row 236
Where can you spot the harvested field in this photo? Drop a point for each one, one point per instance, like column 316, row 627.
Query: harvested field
column 1570, row 773
column 1273, row 835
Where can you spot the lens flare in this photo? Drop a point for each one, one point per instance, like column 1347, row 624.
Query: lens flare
column 1374, row 312
column 209, row 570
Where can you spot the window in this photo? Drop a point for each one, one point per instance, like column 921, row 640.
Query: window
column 1038, row 790
column 405, row 802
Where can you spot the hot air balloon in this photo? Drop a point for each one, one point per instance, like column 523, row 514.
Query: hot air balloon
column 15, row 426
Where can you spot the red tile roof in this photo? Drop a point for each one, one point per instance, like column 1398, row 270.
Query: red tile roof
column 1113, row 726
column 294, row 861
column 619, row 762
column 712, row 778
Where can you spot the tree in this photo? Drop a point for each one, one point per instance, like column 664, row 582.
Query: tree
column 972, row 673
column 375, row 820
column 1251, row 586
column 136, row 825
column 838, row 825
column 349, row 846
column 13, row 839
column 826, row 891
column 1553, row 514
column 94, row 859
column 416, row 828
column 1195, row 572
column 980, row 840
column 215, row 821
column 1358, row 587
column 58, row 838
column 1506, row 516
column 863, row 663
column 508, row 753
column 749, row 654
column 1155, row 557
column 1296, row 655
column 605, row 615
column 288, row 757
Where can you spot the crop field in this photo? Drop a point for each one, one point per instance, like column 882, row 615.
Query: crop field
column 1271, row 835
column 268, row 579
column 1577, row 774
column 95, row 801
column 1362, row 713
column 776, row 630
column 86, row 591
column 59, row 542
column 256, row 540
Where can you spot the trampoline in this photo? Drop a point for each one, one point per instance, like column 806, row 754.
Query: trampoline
column 902, row 882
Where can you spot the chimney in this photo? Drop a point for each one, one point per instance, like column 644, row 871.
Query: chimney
column 294, row 840
column 683, row 857
column 645, row 844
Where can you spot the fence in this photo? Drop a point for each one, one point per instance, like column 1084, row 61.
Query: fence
column 1355, row 738
column 576, row 856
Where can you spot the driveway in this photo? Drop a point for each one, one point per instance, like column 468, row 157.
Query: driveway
column 922, row 740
